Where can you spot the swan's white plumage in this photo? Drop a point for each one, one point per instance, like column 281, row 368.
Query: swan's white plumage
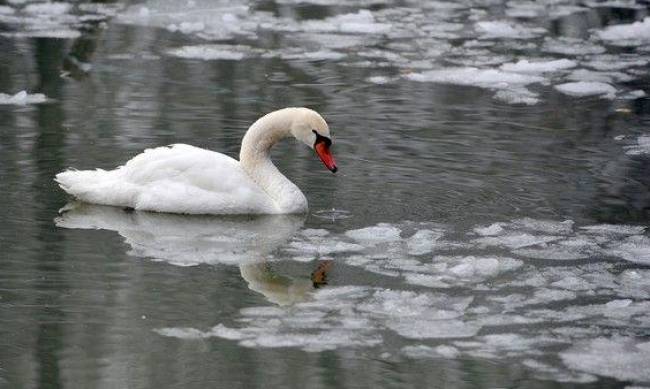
column 187, row 179
column 179, row 179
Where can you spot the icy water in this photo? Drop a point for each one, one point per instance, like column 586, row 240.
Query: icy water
column 487, row 227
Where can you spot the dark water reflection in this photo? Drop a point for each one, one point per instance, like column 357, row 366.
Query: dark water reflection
column 78, row 307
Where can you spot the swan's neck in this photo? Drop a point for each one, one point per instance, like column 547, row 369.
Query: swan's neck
column 255, row 159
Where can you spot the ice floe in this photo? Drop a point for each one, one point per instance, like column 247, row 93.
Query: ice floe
column 587, row 88
column 634, row 34
column 212, row 52
column 22, row 98
column 362, row 22
column 506, row 29
column 512, row 85
column 641, row 147
column 625, row 358
column 525, row 66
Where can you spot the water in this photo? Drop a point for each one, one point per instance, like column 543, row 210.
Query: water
column 482, row 235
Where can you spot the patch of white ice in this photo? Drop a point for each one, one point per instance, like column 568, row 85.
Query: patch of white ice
column 212, row 52
column 620, row 357
column 635, row 34
column 513, row 83
column 587, row 88
column 641, row 147
column 422, row 351
column 51, row 8
column 615, row 229
column 22, row 98
column 506, row 29
column 525, row 66
column 381, row 233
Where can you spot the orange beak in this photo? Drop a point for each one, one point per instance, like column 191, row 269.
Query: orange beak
column 322, row 148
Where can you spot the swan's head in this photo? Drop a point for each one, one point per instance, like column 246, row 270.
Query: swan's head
column 310, row 128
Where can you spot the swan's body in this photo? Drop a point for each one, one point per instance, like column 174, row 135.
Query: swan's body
column 186, row 179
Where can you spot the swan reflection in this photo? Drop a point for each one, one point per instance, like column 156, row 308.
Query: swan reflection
column 192, row 240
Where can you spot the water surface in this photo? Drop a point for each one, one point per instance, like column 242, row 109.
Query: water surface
column 482, row 235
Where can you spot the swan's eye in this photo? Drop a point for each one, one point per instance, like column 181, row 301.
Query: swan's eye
column 320, row 138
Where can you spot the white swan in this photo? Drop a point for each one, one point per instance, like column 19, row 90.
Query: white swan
column 186, row 179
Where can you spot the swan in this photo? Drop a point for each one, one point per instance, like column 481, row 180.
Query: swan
column 185, row 179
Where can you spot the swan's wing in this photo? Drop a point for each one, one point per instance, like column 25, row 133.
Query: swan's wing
column 187, row 179
column 179, row 179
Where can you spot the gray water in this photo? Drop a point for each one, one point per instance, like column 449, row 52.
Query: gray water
column 467, row 241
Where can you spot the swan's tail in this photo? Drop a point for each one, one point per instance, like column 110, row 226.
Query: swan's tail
column 92, row 186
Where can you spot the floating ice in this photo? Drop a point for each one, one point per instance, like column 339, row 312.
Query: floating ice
column 635, row 94
column 563, row 250
column 631, row 4
column 547, row 226
column 617, row 229
column 642, row 146
column 525, row 66
column 587, row 88
column 634, row 34
column 422, row 241
column 191, row 333
column 320, row 55
column 52, row 8
column 624, row 358
column 524, row 10
column 421, row 351
column 604, row 77
column 492, row 229
column 426, row 329
column 448, row 271
column 485, row 78
column 504, row 29
column 379, row 80
column 517, row 96
column 362, row 22
column 212, row 52
column 549, row 372
column 55, row 34
column 22, row 98
column 615, row 62
column 515, row 240
column 634, row 249
column 382, row 233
